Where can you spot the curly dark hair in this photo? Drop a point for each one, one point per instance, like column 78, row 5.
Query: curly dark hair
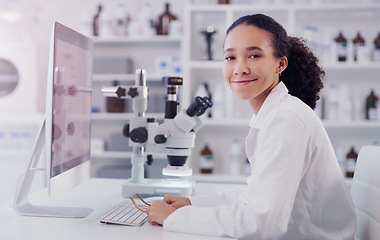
column 303, row 77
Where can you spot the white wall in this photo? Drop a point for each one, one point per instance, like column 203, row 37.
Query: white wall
column 25, row 32
column 34, row 21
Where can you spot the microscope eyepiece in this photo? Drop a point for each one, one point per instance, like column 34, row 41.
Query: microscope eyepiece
column 199, row 106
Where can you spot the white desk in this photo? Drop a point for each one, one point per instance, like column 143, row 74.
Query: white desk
column 99, row 194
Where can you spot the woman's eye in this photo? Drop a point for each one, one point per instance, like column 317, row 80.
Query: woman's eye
column 254, row 56
column 229, row 58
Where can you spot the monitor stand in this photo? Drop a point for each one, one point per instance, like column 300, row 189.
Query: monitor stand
column 21, row 202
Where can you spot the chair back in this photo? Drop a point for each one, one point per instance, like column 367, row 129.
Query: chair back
column 365, row 192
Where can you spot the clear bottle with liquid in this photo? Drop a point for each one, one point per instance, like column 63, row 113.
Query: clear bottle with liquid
column 358, row 42
column 164, row 21
column 341, row 43
column 351, row 158
column 206, row 160
column 372, row 106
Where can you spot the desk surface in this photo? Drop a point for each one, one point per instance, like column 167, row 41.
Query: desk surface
column 99, row 194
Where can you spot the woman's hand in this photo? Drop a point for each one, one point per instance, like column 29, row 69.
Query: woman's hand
column 158, row 212
column 176, row 201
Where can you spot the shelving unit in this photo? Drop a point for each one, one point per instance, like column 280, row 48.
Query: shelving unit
column 108, row 126
column 330, row 18
column 189, row 49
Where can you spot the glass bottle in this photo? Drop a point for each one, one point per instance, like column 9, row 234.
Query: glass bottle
column 96, row 20
column 164, row 21
column 376, row 51
column 206, row 160
column 371, row 106
column 358, row 42
column 351, row 158
column 341, row 42
column 235, row 157
column 114, row 104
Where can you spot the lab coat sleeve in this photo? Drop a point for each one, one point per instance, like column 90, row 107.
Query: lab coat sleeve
column 225, row 197
column 263, row 209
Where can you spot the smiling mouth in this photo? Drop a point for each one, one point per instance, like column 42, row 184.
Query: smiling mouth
column 244, row 81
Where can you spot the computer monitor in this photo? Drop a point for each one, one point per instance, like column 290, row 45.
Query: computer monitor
column 66, row 130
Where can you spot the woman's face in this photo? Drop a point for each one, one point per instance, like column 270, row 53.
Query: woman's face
column 250, row 68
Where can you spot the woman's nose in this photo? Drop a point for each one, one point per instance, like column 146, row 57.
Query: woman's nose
column 241, row 68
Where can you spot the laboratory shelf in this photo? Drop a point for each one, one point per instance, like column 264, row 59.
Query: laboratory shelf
column 352, row 66
column 206, row 64
column 120, row 155
column 137, row 39
column 124, row 77
column 352, row 124
column 226, row 122
column 111, row 154
column 283, row 7
column 123, row 116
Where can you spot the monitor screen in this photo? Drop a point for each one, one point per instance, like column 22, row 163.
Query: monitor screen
column 66, row 129
column 68, row 109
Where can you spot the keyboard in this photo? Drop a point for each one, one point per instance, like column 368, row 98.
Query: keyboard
column 125, row 214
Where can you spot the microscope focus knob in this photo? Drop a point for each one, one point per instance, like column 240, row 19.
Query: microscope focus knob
column 160, row 138
column 139, row 135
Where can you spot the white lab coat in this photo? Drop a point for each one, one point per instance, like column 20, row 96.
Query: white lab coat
column 296, row 190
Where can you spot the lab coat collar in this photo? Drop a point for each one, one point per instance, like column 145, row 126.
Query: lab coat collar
column 273, row 99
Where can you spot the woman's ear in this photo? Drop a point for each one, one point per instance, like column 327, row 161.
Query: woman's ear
column 283, row 64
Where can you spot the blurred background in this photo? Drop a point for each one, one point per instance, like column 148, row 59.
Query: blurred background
column 183, row 38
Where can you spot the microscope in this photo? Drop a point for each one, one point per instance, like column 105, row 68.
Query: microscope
column 174, row 137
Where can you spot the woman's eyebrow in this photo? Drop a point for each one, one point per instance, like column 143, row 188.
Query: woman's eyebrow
column 254, row 48
column 248, row 49
column 229, row 50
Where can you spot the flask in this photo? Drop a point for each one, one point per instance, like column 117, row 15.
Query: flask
column 96, row 21
column 164, row 21
column 206, row 160
column 115, row 104
column 376, row 51
column 341, row 43
column 351, row 162
column 358, row 42
column 371, row 106
column 235, row 157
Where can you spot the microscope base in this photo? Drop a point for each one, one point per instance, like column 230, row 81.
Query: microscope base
column 158, row 187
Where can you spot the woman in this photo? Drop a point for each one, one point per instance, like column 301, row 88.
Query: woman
column 296, row 190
